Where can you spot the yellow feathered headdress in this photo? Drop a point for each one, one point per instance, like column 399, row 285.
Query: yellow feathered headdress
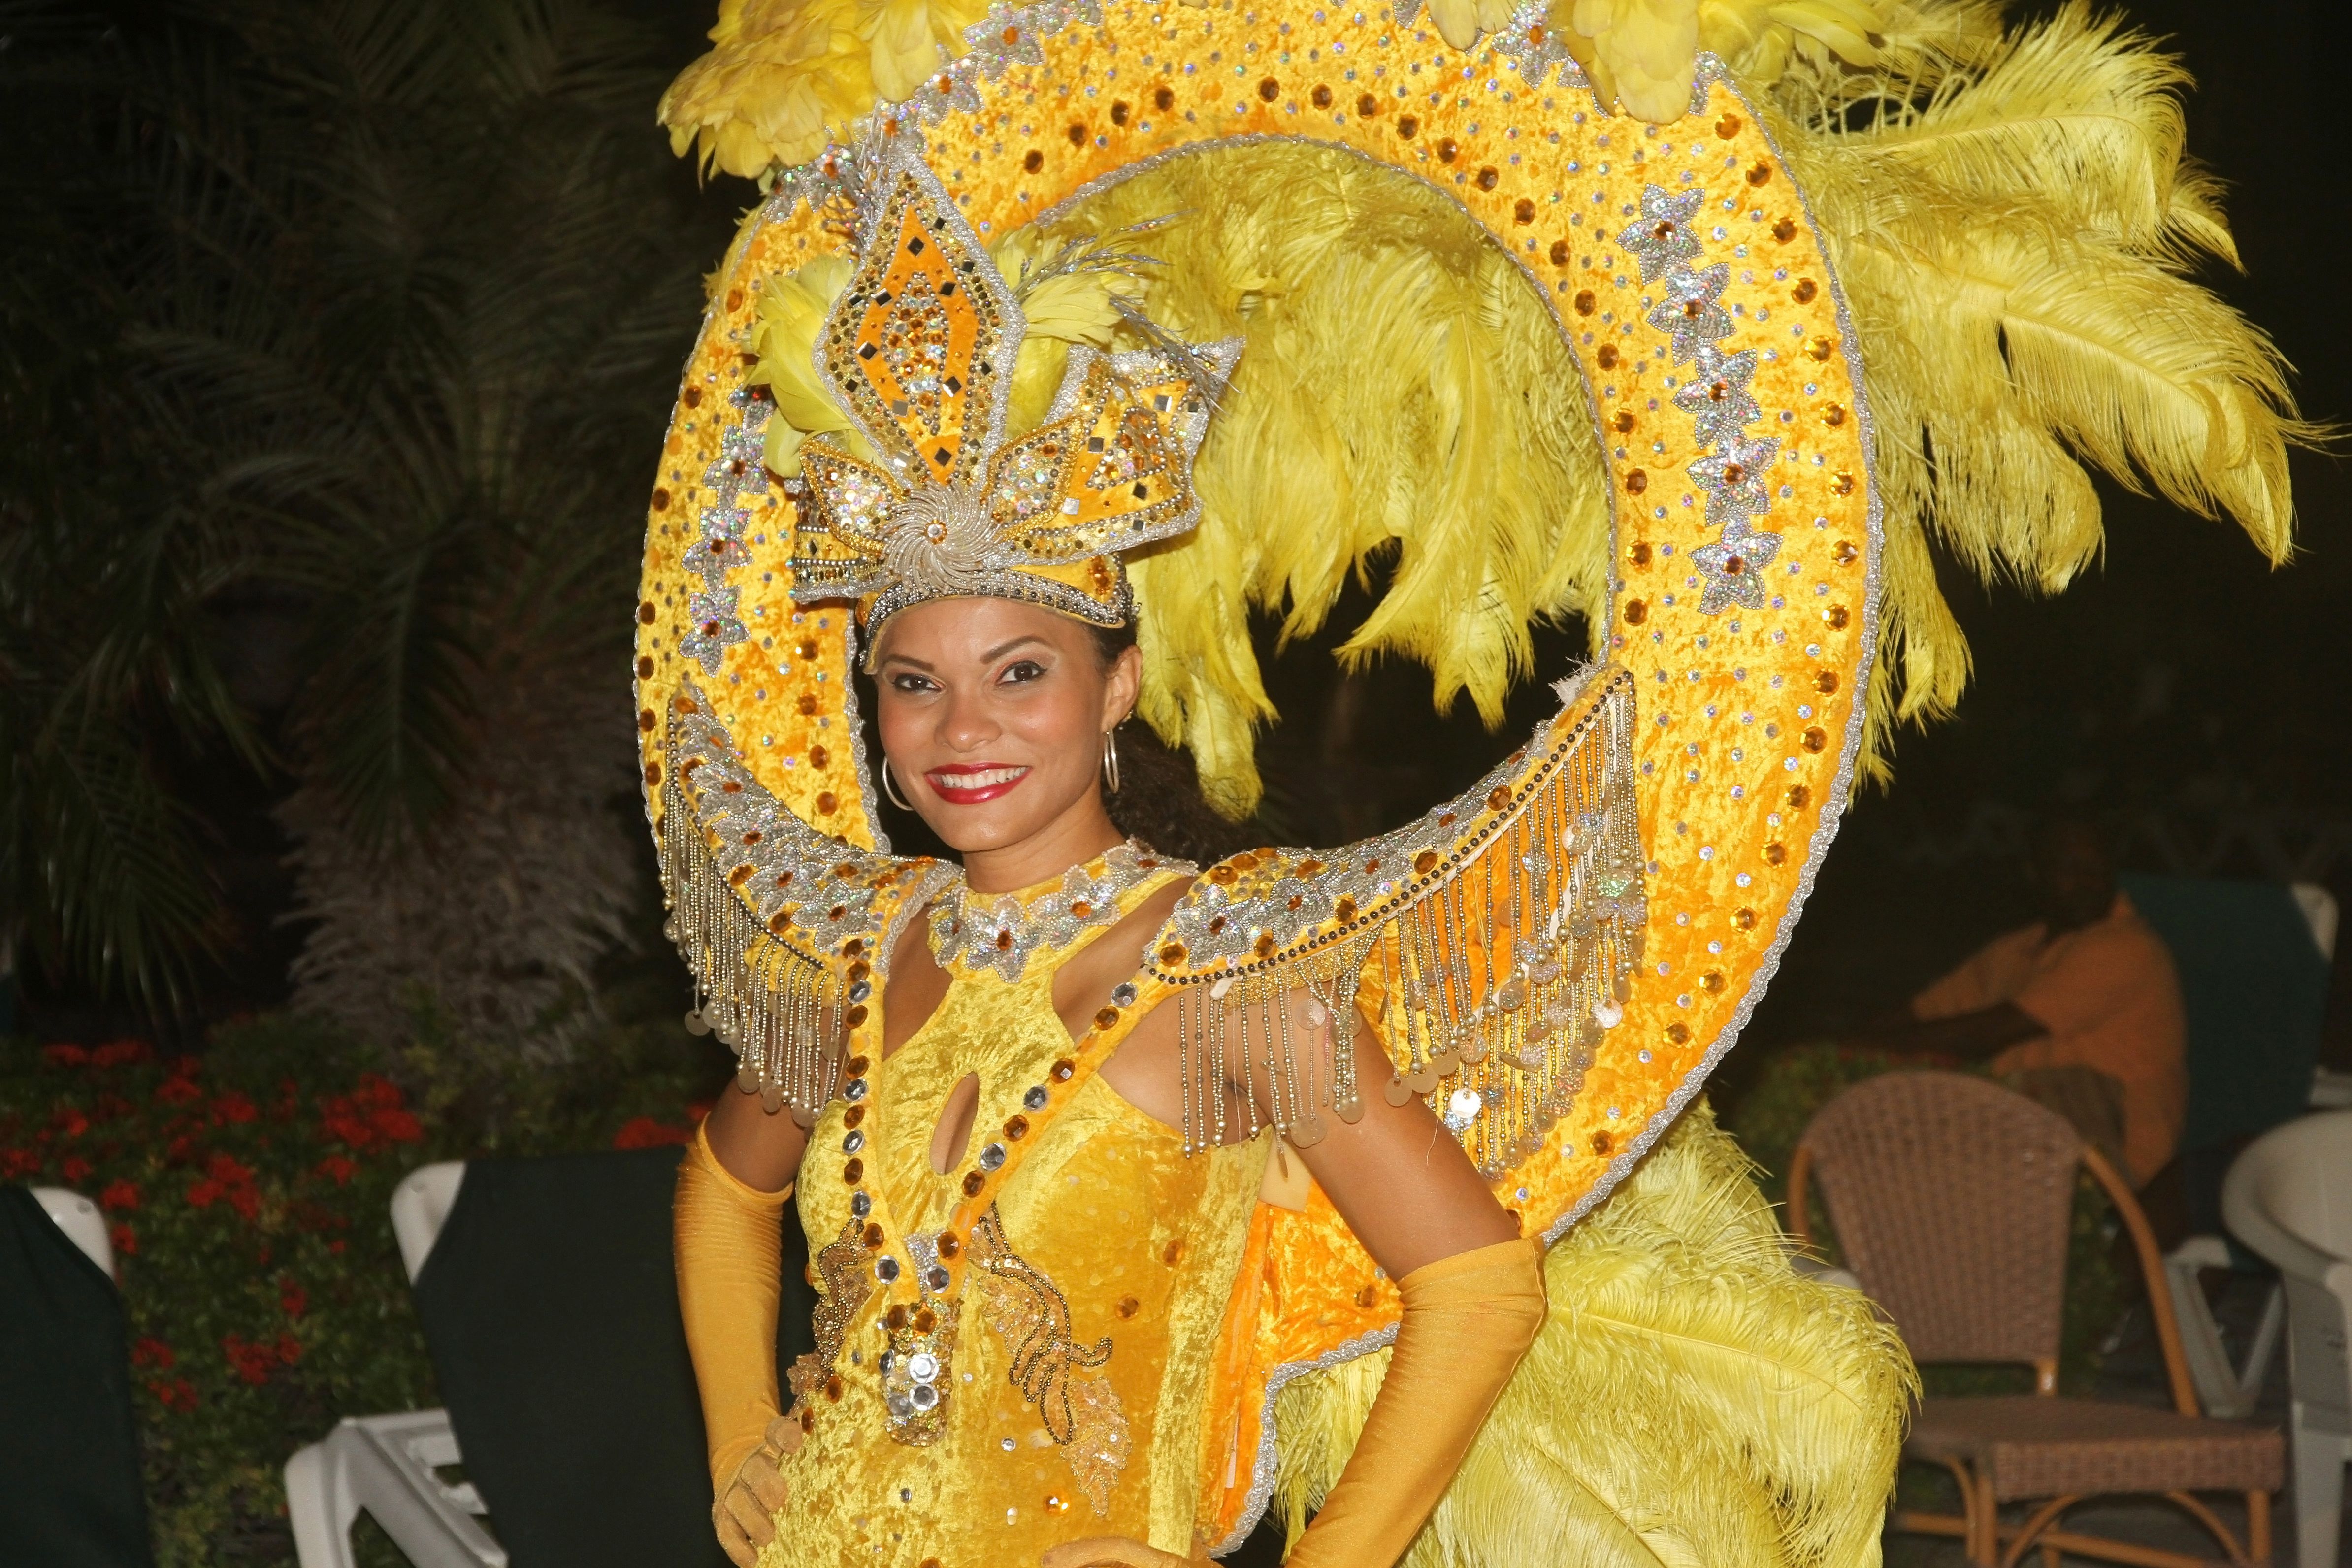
column 2009, row 213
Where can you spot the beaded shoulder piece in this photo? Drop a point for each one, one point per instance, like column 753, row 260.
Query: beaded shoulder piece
column 783, row 926
column 1490, row 943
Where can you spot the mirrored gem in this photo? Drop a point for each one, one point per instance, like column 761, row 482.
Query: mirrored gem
column 854, row 1091
column 1036, row 1099
column 992, row 1156
column 886, row 1269
column 922, row 1366
column 853, row 1143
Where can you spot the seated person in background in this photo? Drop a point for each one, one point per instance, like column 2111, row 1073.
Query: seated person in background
column 2090, row 985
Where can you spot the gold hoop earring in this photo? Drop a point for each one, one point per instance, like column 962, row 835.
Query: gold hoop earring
column 890, row 787
column 1110, row 759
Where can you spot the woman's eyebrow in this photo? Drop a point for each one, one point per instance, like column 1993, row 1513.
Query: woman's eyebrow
column 1001, row 649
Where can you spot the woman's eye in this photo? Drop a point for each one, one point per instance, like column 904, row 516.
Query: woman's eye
column 904, row 682
column 1024, row 670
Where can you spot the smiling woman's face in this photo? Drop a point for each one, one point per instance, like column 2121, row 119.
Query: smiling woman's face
column 992, row 715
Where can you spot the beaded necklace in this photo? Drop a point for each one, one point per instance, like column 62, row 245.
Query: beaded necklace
column 999, row 935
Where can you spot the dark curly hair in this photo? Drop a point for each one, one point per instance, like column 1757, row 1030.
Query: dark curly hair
column 1158, row 798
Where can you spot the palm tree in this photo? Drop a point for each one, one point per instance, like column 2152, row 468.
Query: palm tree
column 398, row 309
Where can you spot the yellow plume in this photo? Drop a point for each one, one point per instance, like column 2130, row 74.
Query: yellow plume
column 1720, row 1408
column 2013, row 235
column 1401, row 403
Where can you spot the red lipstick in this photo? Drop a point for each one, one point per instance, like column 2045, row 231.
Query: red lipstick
column 969, row 783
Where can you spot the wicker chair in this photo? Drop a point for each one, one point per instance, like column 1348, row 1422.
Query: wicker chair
column 1951, row 1198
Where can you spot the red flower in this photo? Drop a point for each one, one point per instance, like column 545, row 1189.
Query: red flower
column 232, row 1107
column 152, row 1351
column 289, row 1349
column 177, row 1092
column 64, row 1056
column 226, row 1179
column 71, row 1121
column 336, row 1247
column 338, row 1167
column 180, row 1395
column 395, row 1125
column 119, row 1194
column 18, row 1162
column 121, row 1053
column 125, row 1239
column 645, row 1133
column 75, row 1169
column 252, row 1362
column 370, row 1116
column 290, row 1296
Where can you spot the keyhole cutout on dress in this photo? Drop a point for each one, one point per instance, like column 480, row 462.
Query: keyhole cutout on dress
column 953, row 1136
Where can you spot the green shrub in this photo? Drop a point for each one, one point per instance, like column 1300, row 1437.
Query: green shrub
column 1772, row 1116
column 246, row 1190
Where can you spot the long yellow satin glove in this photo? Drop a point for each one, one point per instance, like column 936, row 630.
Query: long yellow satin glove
column 1468, row 1320
column 729, row 1247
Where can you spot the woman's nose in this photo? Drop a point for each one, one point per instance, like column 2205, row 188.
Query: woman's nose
column 967, row 721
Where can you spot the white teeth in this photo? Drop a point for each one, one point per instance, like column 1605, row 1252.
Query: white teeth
column 984, row 779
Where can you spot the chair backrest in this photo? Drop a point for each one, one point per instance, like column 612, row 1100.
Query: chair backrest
column 550, row 1304
column 1951, row 1198
column 70, row 1492
column 2297, row 1178
column 2253, row 984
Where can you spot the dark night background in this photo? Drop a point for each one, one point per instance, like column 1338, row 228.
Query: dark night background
column 2183, row 686
column 336, row 341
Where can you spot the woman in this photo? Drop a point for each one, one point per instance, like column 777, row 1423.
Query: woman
column 997, row 717
column 1026, row 1094
column 1493, row 1290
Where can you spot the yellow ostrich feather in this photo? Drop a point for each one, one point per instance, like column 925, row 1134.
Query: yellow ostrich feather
column 2014, row 237
column 1719, row 1407
column 1401, row 403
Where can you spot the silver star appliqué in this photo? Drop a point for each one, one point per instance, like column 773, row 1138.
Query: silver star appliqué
column 720, row 550
column 1734, row 567
column 1716, row 394
column 1661, row 239
column 716, row 626
column 1733, row 476
column 1692, row 310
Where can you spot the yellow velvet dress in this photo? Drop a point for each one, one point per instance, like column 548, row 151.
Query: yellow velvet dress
column 1066, row 1396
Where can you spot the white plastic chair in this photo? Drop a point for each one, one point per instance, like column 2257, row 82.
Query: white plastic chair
column 84, row 1226
column 387, row 1464
column 2289, row 1197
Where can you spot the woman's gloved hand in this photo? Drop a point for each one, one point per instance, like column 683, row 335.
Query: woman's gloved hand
column 744, row 1514
column 1113, row 1552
